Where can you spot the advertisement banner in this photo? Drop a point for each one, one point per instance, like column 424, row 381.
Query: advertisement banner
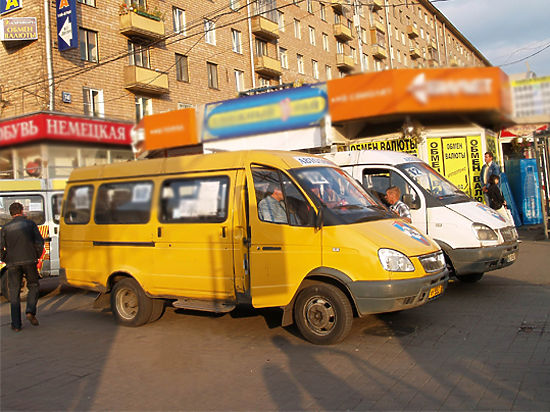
column 475, row 161
column 456, row 162
column 435, row 155
column 18, row 28
column 67, row 29
column 7, row 6
column 265, row 113
column 170, row 129
column 396, row 145
column 56, row 127
column 492, row 146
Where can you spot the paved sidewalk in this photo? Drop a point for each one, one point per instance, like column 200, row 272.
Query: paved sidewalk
column 481, row 346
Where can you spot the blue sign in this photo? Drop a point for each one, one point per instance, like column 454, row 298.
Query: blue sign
column 9, row 5
column 67, row 29
column 266, row 113
column 408, row 230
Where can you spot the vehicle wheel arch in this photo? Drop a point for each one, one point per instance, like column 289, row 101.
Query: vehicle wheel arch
column 321, row 274
column 116, row 277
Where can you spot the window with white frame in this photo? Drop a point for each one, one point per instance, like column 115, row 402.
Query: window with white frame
column 138, row 55
column 234, row 5
column 239, row 80
column 210, row 32
column 325, row 41
column 312, row 40
column 283, row 57
column 315, row 69
column 263, row 82
column 353, row 54
column 93, row 102
column 365, row 61
column 339, row 47
column 144, row 106
column 178, row 17
column 297, row 30
column 88, row 45
column 281, row 21
column 212, row 71
column 261, row 48
column 236, row 41
column 87, row 2
column 323, row 12
column 300, row 60
column 309, row 6
column 328, row 72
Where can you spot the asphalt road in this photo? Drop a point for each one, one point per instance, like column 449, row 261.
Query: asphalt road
column 481, row 346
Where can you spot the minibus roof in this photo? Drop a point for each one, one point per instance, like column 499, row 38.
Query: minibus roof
column 382, row 157
column 198, row 163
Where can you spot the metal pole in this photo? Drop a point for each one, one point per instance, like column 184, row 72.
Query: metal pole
column 49, row 60
column 251, row 43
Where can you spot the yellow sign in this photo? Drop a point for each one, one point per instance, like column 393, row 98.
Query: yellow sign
column 456, row 161
column 475, row 163
column 396, row 145
column 435, row 155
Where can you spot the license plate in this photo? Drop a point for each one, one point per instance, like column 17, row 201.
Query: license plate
column 511, row 257
column 438, row 290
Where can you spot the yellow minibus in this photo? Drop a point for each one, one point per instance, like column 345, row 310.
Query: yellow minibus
column 266, row 228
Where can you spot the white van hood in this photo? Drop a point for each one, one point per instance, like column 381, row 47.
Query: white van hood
column 480, row 213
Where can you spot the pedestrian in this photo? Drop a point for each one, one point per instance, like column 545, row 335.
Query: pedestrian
column 393, row 196
column 496, row 199
column 21, row 246
column 489, row 168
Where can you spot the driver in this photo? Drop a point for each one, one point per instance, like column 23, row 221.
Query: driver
column 393, row 196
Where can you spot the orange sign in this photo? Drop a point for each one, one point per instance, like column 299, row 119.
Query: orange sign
column 409, row 91
column 170, row 129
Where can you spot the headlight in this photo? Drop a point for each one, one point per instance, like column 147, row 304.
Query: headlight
column 484, row 232
column 394, row 261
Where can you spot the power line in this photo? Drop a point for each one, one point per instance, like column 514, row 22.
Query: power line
column 526, row 57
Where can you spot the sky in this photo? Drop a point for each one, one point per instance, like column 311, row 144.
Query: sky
column 504, row 30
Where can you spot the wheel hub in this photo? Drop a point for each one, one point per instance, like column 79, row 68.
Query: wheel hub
column 320, row 315
column 127, row 304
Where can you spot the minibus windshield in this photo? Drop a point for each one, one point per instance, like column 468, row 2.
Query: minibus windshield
column 433, row 183
column 344, row 201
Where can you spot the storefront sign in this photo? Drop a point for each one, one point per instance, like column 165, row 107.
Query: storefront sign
column 55, row 127
column 475, row 157
column 67, row 30
column 409, row 91
column 266, row 113
column 170, row 129
column 396, row 145
column 18, row 28
column 7, row 6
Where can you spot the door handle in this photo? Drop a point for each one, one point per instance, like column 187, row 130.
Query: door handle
column 272, row 248
column 223, row 231
column 159, row 232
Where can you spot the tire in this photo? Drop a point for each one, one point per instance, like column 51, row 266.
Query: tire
column 472, row 278
column 323, row 314
column 130, row 305
column 157, row 310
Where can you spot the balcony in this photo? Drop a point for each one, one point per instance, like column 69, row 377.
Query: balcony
column 342, row 32
column 432, row 45
column 344, row 62
column 140, row 79
column 378, row 51
column 412, row 31
column 340, row 5
column 267, row 66
column 133, row 24
column 378, row 26
column 415, row 52
column 376, row 4
column 453, row 62
column 265, row 28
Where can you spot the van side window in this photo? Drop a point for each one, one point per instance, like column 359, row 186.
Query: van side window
column 57, row 200
column 77, row 207
column 194, row 200
column 33, row 207
column 123, row 203
column 279, row 200
column 378, row 180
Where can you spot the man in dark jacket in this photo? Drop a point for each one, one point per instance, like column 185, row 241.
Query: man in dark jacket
column 21, row 246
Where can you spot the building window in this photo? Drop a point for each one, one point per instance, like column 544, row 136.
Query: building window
column 300, row 59
column 236, row 41
column 261, row 48
column 210, row 32
column 136, row 3
column 309, row 4
column 328, row 72
column 234, row 5
column 337, row 18
column 182, row 68
column 323, row 12
column 312, row 36
column 93, row 102
column 267, row 9
column 281, row 21
column 178, row 18
column 315, row 69
column 212, row 75
column 297, row 31
column 88, row 45
column 88, row 2
column 380, row 38
column 365, row 62
column 283, row 56
column 364, row 36
column 339, row 47
column 239, row 80
column 353, row 54
column 144, row 107
column 325, row 41
column 263, row 82
column 138, row 55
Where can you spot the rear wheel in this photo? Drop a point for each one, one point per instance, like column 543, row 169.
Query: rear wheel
column 130, row 305
column 157, row 310
column 323, row 314
column 472, row 278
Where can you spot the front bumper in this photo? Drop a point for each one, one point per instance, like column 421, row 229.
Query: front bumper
column 392, row 295
column 482, row 259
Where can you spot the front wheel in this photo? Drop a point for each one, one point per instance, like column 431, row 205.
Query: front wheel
column 130, row 305
column 472, row 278
column 323, row 314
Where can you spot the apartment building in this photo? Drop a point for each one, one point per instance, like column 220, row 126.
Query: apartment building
column 135, row 57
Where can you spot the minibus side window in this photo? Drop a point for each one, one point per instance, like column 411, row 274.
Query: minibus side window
column 57, row 200
column 77, row 207
column 123, row 203
column 379, row 180
column 279, row 200
column 194, row 200
column 33, row 208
